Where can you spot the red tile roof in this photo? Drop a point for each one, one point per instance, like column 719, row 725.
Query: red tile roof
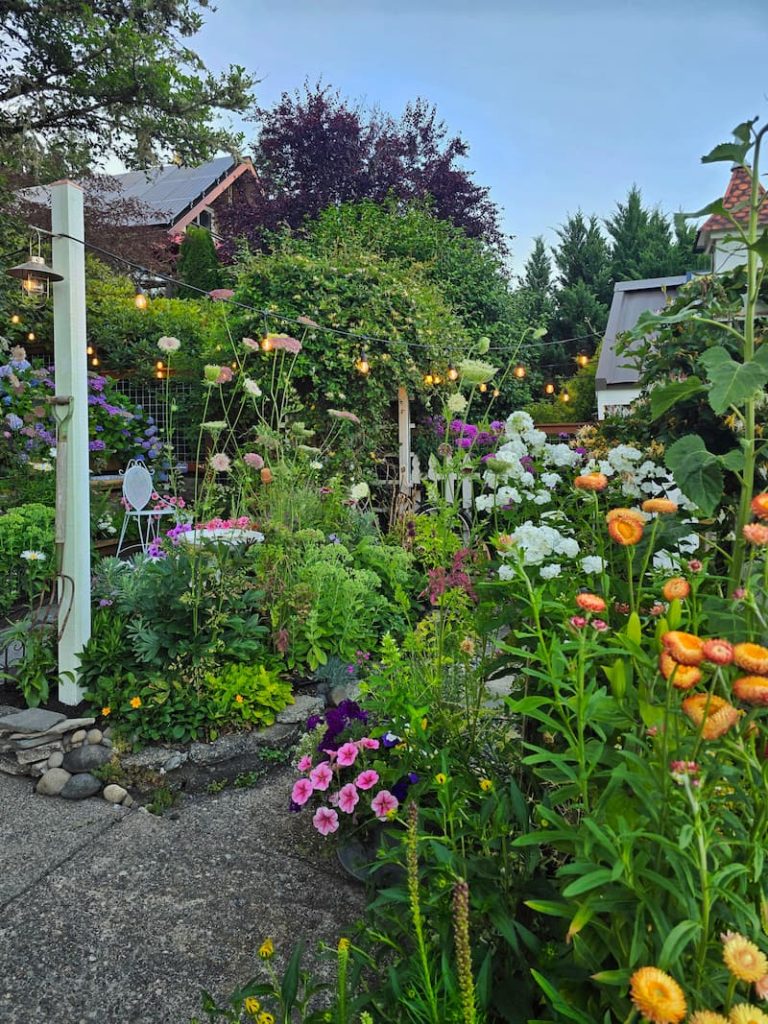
column 736, row 200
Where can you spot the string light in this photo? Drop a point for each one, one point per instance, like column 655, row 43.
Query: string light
column 582, row 359
column 362, row 364
column 519, row 371
column 159, row 374
column 496, row 392
column 89, row 350
column 438, row 379
column 95, row 361
column 565, row 397
column 266, row 344
column 453, row 373
column 483, row 388
column 549, row 388
column 429, row 379
column 159, row 364
column 15, row 319
column 31, row 336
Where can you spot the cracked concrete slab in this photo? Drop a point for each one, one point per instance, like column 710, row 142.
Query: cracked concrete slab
column 126, row 921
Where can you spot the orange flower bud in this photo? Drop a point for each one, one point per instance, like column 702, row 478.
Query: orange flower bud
column 677, row 587
column 752, row 658
column 590, row 602
column 685, row 648
column 756, row 534
column 683, row 677
column 266, row 475
column 662, row 506
column 760, row 505
column 712, row 714
column 751, row 689
column 591, row 482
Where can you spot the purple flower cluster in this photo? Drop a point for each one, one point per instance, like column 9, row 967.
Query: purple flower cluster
column 336, row 720
column 467, row 435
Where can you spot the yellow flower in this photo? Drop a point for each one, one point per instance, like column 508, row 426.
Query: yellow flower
column 252, row 1005
column 266, row 949
column 657, row 996
column 707, row 1017
column 265, row 1018
column 344, row 945
column 239, row 699
column 486, row 785
column 744, row 960
column 441, row 778
column 743, row 1013
column 424, row 725
column 106, row 711
column 135, row 702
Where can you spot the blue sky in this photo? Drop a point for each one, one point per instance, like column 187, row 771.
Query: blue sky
column 565, row 103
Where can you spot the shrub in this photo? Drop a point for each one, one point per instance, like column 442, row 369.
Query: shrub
column 27, row 556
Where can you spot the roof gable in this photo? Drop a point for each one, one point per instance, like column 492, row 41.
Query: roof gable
column 736, row 200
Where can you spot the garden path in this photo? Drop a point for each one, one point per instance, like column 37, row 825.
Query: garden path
column 108, row 915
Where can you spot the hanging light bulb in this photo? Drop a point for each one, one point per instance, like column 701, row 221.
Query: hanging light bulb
column 266, row 344
column 95, row 361
column 140, row 299
column 429, row 380
column 15, row 319
column 89, row 350
column 582, row 359
column 549, row 388
column 362, row 364
column 31, row 336
column 438, row 379
column 159, row 364
column 159, row 374
column 234, row 366
column 519, row 371
column 453, row 373
column 496, row 392
column 35, row 276
column 565, row 397
column 483, row 388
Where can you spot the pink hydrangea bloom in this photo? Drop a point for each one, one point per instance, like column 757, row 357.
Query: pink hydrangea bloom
column 367, row 779
column 302, row 791
column 347, row 754
column 254, row 460
column 321, row 776
column 348, row 798
column 305, row 763
column 383, row 804
column 325, row 820
column 366, row 743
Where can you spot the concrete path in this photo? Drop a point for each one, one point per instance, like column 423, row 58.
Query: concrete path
column 120, row 917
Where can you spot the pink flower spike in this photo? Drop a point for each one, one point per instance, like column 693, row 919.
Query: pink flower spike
column 321, row 776
column 301, row 792
column 305, row 763
column 384, row 804
column 347, row 754
column 348, row 798
column 367, row 779
column 366, row 743
column 325, row 820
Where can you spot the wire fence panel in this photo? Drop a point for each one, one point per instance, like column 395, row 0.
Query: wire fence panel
column 151, row 396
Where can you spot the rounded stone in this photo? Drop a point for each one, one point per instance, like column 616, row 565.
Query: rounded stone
column 114, row 794
column 85, row 759
column 56, row 759
column 108, row 732
column 106, row 741
column 94, row 735
column 52, row 782
column 81, row 786
column 78, row 736
column 129, row 801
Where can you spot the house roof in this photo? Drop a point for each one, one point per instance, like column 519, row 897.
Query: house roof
column 169, row 196
column 630, row 299
column 736, row 200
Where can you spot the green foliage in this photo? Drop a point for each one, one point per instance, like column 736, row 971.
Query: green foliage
column 38, row 666
column 198, row 264
column 26, row 528
column 250, row 693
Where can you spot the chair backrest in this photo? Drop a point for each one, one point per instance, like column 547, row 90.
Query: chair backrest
column 137, row 485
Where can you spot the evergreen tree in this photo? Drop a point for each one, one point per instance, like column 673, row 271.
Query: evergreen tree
column 198, row 263
column 629, row 231
column 583, row 255
column 536, row 283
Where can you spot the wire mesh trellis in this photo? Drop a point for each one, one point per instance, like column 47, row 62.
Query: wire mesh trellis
column 151, row 396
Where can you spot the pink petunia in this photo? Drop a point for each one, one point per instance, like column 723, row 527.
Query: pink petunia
column 333, row 799
column 332, row 755
column 383, row 804
column 348, row 798
column 302, row 791
column 367, row 779
column 366, row 743
column 325, row 820
column 305, row 763
column 347, row 754
column 321, row 776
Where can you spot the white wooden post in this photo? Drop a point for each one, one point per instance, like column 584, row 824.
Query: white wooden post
column 404, row 434
column 71, row 375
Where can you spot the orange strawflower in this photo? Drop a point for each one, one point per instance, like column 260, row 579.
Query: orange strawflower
column 591, row 482
column 266, row 475
column 685, row 648
column 752, row 658
column 752, row 690
column 663, row 506
column 756, row 534
column 712, row 714
column 625, row 526
column 743, row 1013
column 719, row 652
column 707, row 1017
column 743, row 959
column 657, row 996
column 683, row 677
column 677, row 587
column 760, row 505
column 590, row 602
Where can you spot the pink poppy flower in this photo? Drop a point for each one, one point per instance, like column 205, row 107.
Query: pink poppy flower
column 348, row 798
column 301, row 792
column 383, row 804
column 366, row 743
column 325, row 820
column 347, row 754
column 305, row 763
column 367, row 779
column 321, row 776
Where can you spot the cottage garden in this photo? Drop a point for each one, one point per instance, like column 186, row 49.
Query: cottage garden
column 542, row 739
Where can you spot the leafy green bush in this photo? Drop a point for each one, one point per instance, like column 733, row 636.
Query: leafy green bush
column 245, row 693
column 27, row 557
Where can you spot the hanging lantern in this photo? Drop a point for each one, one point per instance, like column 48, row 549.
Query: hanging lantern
column 582, row 359
column 159, row 364
column 565, row 397
column 95, row 361
column 549, row 388
column 362, row 364
column 140, row 299
column 429, row 380
column 89, row 350
column 519, row 371
column 266, row 344
column 453, row 373
column 35, row 277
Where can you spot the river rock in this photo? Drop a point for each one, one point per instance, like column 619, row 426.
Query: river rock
column 31, row 720
column 56, row 759
column 114, row 794
column 85, row 759
column 81, row 786
column 94, row 735
column 78, row 736
column 52, row 782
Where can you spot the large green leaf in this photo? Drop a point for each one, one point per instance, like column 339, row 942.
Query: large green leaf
column 696, row 471
column 665, row 397
column 732, row 383
column 674, row 944
column 732, row 152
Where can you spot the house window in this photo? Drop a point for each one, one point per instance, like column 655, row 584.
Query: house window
column 204, row 219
